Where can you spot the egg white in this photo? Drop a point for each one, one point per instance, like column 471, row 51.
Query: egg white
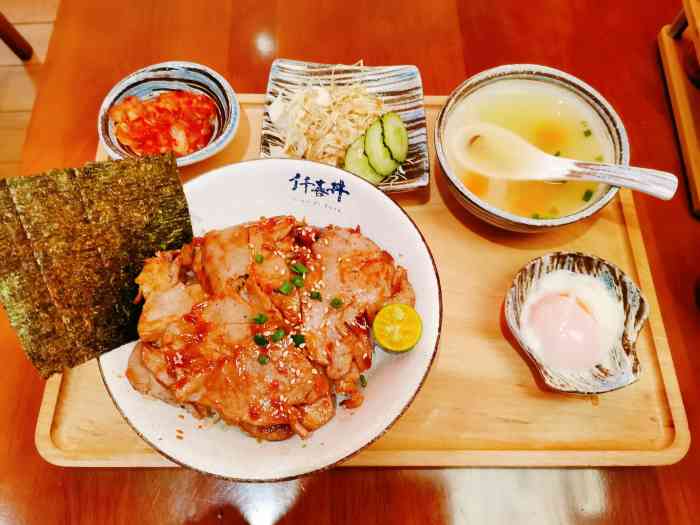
column 601, row 302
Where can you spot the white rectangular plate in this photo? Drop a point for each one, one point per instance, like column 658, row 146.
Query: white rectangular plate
column 399, row 87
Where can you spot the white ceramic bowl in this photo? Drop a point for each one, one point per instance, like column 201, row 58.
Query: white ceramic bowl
column 243, row 192
column 610, row 120
column 168, row 76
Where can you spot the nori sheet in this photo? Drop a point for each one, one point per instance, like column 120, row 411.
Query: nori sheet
column 29, row 307
column 65, row 246
column 89, row 231
column 139, row 208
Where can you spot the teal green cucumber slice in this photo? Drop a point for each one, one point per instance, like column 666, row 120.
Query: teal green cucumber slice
column 395, row 136
column 357, row 162
column 378, row 154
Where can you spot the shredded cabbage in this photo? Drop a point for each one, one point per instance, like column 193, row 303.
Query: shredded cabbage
column 319, row 123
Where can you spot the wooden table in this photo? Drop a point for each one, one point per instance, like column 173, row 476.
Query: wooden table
column 612, row 45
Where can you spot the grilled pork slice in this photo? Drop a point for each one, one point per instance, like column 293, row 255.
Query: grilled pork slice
column 355, row 279
column 229, row 351
column 263, row 323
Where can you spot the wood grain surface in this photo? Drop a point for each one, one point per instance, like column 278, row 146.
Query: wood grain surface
column 685, row 100
column 515, row 422
column 611, row 45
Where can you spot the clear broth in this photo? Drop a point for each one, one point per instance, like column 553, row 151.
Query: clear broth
column 551, row 118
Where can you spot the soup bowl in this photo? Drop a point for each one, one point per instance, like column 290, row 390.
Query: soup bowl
column 611, row 124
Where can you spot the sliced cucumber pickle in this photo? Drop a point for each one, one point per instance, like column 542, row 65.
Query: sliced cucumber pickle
column 357, row 162
column 395, row 136
column 378, row 154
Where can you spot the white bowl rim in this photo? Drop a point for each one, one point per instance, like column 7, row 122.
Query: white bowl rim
column 391, row 423
column 210, row 149
column 580, row 85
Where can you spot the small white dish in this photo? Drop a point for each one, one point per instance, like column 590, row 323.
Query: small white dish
column 266, row 187
column 168, row 76
column 620, row 365
column 399, row 87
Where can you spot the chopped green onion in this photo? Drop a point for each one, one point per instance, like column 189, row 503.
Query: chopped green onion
column 298, row 339
column 316, row 296
column 557, row 154
column 587, row 195
column 599, row 158
column 535, row 215
column 260, row 319
column 298, row 281
column 259, row 258
column 299, row 268
column 363, row 380
column 286, row 288
column 336, row 302
column 277, row 335
column 587, row 132
column 260, row 340
column 263, row 359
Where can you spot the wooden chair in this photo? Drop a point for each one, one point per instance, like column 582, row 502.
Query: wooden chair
column 14, row 40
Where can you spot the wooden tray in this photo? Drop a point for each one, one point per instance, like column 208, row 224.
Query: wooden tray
column 480, row 405
column 685, row 98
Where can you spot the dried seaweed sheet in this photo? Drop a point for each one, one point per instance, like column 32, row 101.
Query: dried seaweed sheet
column 89, row 231
column 65, row 247
column 28, row 304
column 139, row 207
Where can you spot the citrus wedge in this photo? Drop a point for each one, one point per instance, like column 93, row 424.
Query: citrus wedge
column 397, row 327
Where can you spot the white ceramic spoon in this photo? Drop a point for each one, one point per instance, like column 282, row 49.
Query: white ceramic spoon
column 496, row 152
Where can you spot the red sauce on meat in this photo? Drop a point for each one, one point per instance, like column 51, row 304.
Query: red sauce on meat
column 305, row 236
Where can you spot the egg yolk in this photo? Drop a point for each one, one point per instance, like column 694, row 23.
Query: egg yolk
column 568, row 334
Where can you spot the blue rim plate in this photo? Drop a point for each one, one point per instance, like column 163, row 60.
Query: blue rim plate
column 399, row 87
column 167, row 76
column 322, row 195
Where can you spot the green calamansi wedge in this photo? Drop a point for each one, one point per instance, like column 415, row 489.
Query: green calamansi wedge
column 397, row 327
